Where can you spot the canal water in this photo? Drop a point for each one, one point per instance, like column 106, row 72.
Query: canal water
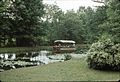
column 17, row 60
column 26, row 59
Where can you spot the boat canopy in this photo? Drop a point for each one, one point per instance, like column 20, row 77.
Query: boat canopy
column 64, row 41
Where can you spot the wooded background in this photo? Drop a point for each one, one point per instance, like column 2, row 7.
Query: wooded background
column 32, row 23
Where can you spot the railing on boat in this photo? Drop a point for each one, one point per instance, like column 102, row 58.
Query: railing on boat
column 64, row 46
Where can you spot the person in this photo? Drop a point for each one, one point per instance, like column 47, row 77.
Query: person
column 59, row 45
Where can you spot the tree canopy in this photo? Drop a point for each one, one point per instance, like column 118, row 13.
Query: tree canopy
column 21, row 21
column 30, row 23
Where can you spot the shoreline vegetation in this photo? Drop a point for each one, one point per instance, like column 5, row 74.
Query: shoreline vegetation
column 37, row 48
column 23, row 49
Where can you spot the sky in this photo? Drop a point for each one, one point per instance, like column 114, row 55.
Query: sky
column 72, row 4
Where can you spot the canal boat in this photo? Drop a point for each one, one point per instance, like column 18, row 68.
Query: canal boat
column 64, row 46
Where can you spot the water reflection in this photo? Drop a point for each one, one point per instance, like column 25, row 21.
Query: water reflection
column 17, row 60
column 26, row 59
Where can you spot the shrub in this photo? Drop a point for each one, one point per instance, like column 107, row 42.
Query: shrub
column 67, row 57
column 104, row 55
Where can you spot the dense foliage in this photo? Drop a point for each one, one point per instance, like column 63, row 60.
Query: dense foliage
column 31, row 23
column 20, row 22
column 112, row 24
column 104, row 55
column 81, row 26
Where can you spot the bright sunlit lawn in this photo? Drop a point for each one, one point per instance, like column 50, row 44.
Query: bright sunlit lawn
column 72, row 70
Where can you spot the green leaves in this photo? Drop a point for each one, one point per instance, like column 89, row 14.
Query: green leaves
column 112, row 24
column 22, row 18
column 104, row 55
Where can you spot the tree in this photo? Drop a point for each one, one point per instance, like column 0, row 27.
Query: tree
column 71, row 27
column 89, row 24
column 99, row 17
column 24, row 21
column 81, row 26
column 4, row 21
column 92, row 18
column 52, row 17
column 112, row 24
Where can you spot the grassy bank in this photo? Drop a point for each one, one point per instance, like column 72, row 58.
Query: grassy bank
column 24, row 49
column 72, row 70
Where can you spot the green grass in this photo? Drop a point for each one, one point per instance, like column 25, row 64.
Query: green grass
column 72, row 70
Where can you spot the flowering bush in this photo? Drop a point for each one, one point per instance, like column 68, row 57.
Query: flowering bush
column 104, row 55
